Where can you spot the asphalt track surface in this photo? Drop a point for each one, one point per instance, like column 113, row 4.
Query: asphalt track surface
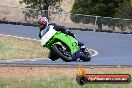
column 113, row 48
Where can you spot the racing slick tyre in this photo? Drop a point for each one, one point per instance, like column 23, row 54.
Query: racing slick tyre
column 86, row 56
column 53, row 56
column 59, row 51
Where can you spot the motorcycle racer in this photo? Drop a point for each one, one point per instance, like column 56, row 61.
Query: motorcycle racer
column 44, row 27
column 44, row 24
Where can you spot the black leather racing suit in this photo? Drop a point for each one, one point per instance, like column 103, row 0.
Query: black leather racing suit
column 57, row 28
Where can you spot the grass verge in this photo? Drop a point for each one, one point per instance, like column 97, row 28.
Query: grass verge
column 43, row 77
column 54, row 81
column 14, row 48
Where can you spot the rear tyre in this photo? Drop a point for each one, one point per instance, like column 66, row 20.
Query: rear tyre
column 59, row 51
column 86, row 56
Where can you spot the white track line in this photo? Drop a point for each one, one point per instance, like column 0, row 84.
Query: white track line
column 19, row 37
column 22, row 60
column 95, row 52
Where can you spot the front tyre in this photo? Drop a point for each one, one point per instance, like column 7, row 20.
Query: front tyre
column 59, row 51
column 53, row 56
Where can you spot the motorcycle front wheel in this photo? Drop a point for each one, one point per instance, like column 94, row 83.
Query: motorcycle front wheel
column 60, row 52
column 53, row 56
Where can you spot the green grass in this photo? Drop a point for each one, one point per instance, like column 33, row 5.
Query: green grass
column 57, row 81
column 13, row 48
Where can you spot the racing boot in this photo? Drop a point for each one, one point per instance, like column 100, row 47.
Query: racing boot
column 83, row 48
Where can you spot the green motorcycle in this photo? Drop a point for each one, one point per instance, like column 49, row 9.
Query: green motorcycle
column 63, row 46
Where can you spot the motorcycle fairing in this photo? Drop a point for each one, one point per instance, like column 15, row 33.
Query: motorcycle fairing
column 48, row 35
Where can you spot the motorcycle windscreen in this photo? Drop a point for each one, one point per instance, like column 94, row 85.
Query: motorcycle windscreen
column 49, row 33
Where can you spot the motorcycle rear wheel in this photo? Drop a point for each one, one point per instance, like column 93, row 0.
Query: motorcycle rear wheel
column 86, row 56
